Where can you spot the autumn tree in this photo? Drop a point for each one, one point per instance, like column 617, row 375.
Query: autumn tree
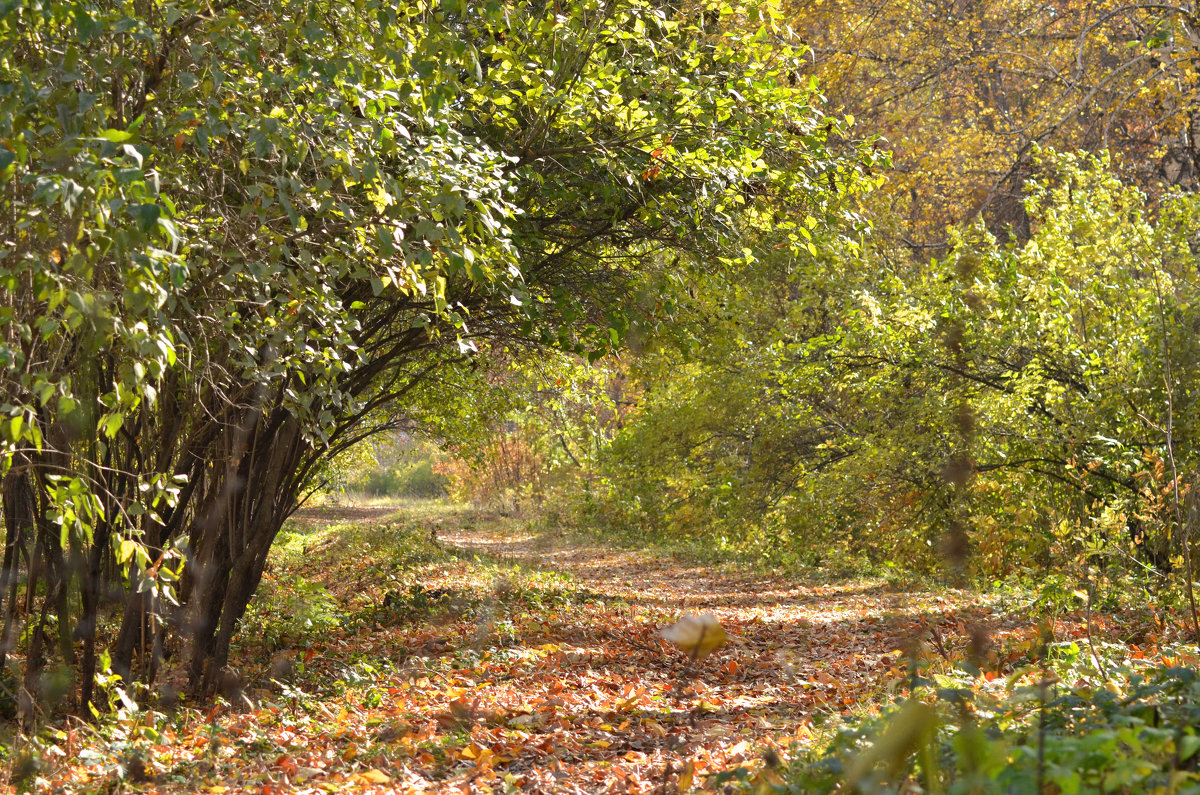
column 819, row 416
column 964, row 91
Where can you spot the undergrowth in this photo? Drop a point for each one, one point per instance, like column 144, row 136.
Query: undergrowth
column 1082, row 719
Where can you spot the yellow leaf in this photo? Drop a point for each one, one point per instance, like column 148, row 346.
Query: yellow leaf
column 375, row 776
column 600, row 744
column 686, row 775
column 697, row 635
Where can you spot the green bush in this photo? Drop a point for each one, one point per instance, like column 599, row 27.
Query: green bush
column 292, row 614
column 416, row 480
column 1127, row 729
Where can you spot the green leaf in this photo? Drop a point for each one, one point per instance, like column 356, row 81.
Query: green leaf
column 14, row 427
column 146, row 215
column 116, row 136
column 112, row 424
column 1188, row 745
column 126, row 550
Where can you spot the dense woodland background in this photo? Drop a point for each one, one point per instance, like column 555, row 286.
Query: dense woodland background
column 899, row 288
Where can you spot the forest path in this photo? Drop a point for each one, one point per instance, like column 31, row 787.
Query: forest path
column 623, row 711
column 426, row 647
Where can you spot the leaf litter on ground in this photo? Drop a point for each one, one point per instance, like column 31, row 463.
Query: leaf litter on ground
column 438, row 648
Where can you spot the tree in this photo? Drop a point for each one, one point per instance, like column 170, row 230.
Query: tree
column 859, row 406
column 964, row 91
column 237, row 240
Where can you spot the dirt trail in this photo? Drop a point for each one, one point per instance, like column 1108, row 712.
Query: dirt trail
column 499, row 660
column 795, row 649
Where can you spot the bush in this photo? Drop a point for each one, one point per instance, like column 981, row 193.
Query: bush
column 396, row 465
column 1068, row 729
column 416, row 480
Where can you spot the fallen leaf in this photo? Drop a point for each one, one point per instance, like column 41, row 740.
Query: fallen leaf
column 373, row 776
column 686, row 775
column 697, row 635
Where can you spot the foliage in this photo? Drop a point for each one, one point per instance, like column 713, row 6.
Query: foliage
column 964, row 93
column 614, row 262
column 1130, row 728
column 289, row 618
column 529, row 428
column 238, row 240
column 397, row 465
column 415, row 480
column 502, row 467
column 858, row 412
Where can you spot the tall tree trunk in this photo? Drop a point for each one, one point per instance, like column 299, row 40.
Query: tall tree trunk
column 17, row 495
column 90, row 596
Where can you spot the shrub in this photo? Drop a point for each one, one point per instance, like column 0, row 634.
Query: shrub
column 417, row 480
column 1066, row 729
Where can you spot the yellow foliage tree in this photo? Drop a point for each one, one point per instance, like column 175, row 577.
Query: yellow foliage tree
column 964, row 91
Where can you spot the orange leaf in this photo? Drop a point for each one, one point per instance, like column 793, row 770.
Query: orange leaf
column 372, row 776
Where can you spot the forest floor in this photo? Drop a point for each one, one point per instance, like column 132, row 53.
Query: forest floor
column 436, row 648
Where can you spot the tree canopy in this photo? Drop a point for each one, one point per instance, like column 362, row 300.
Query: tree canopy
column 237, row 239
column 964, row 92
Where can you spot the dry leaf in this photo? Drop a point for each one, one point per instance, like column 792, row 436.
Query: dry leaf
column 697, row 635
column 686, row 775
column 375, row 776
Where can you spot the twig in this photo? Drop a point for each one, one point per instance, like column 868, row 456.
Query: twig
column 1096, row 661
column 1184, row 532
